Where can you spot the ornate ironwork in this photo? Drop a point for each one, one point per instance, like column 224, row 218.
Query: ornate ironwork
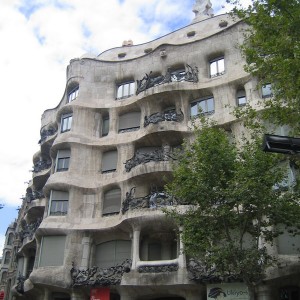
column 153, row 200
column 47, row 132
column 170, row 115
column 29, row 229
column 20, row 284
column 100, row 276
column 158, row 269
column 129, row 129
column 41, row 165
column 190, row 74
column 163, row 154
column 30, row 196
column 197, row 271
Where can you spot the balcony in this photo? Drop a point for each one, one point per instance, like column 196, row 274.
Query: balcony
column 41, row 165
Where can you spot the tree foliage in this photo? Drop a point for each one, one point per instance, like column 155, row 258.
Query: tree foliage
column 272, row 52
column 237, row 194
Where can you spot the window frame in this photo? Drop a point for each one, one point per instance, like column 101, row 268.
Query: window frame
column 121, row 92
column 73, row 94
column 266, row 87
column 203, row 112
column 7, row 257
column 66, row 119
column 219, row 70
column 62, row 203
column 104, row 126
column 65, row 159
column 241, row 96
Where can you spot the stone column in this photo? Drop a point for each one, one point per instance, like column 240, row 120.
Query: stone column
column 113, row 121
column 86, row 241
column 136, row 247
column 25, row 265
column 181, row 255
column 47, row 294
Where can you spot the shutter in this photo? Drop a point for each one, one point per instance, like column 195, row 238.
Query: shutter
column 129, row 120
column 112, row 202
column 63, row 153
column 109, row 161
column 52, row 251
column 59, row 195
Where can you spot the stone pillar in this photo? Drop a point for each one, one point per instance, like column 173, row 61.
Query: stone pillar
column 86, row 241
column 25, row 265
column 77, row 295
column 47, row 294
column 113, row 126
column 181, row 255
column 135, row 247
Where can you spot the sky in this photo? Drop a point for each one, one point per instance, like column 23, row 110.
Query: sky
column 38, row 38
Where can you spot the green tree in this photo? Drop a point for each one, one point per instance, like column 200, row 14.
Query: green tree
column 272, row 52
column 235, row 200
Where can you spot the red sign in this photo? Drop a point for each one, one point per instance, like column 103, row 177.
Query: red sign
column 1, row 295
column 100, row 294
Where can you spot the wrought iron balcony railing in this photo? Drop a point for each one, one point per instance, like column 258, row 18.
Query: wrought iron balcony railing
column 41, row 165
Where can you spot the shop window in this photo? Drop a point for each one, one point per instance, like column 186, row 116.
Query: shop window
column 62, row 160
column 105, row 126
column 129, row 122
column 109, row 161
column 73, row 94
column 217, row 67
column 52, row 251
column 66, row 122
column 59, row 202
column 112, row 202
column 241, row 98
column 266, row 90
column 204, row 106
column 112, row 253
column 125, row 90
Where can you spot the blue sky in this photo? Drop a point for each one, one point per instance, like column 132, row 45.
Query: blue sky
column 38, row 39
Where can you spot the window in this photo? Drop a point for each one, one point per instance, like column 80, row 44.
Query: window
column 109, row 161
column 266, row 90
column 59, row 202
column 217, row 67
column 154, row 251
column 66, row 122
column 7, row 257
column 10, row 239
column 241, row 98
column 62, row 160
column 105, row 126
column 129, row 122
column 73, row 93
column 52, row 251
column 125, row 90
column 203, row 107
column 112, row 202
column 4, row 277
column 112, row 253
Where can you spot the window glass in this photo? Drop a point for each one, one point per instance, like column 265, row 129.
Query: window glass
column 66, row 122
column 52, row 251
column 266, row 90
column 63, row 160
column 202, row 107
column 72, row 95
column 125, row 90
column 59, row 203
column 241, row 97
column 217, row 67
column 112, row 202
column 10, row 239
column 7, row 258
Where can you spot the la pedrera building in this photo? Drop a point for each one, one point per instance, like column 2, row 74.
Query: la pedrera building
column 91, row 225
